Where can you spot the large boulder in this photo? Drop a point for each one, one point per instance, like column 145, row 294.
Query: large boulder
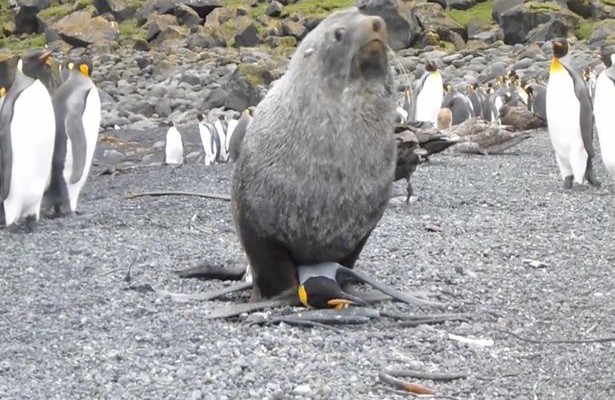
column 402, row 25
column 202, row 8
column 81, row 29
column 245, row 83
column 26, row 20
column 118, row 8
column 595, row 9
column 460, row 4
column 247, row 34
column 432, row 15
column 517, row 22
column 164, row 27
column 501, row 6
column 603, row 33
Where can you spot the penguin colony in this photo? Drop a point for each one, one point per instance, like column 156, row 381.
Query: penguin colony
column 45, row 160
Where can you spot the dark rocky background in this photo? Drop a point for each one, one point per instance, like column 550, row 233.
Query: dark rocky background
column 496, row 236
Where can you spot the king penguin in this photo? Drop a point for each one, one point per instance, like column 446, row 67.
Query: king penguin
column 209, row 139
column 570, row 118
column 239, row 133
column 174, row 147
column 77, row 110
column 428, row 95
column 27, row 131
column 604, row 107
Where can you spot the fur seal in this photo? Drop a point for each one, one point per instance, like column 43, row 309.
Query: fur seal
column 316, row 166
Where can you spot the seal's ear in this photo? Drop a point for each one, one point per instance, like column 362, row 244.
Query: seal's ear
column 308, row 52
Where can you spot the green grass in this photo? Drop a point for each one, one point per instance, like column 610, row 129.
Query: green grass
column 55, row 12
column 584, row 29
column 609, row 2
column 481, row 11
column 130, row 30
column 547, row 6
column 318, row 7
column 20, row 44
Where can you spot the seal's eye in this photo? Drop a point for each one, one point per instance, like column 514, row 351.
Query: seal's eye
column 339, row 34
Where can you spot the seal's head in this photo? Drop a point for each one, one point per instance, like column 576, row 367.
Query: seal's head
column 345, row 48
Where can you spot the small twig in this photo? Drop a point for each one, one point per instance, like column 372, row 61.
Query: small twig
column 226, row 197
column 559, row 341
column 535, row 389
column 408, row 387
column 432, row 376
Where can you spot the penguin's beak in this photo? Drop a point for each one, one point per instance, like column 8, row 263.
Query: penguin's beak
column 45, row 56
column 346, row 300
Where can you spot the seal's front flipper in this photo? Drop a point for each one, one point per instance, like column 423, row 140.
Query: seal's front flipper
column 208, row 271
column 233, row 310
column 207, row 295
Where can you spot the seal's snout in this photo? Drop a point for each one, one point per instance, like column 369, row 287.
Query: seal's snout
column 375, row 29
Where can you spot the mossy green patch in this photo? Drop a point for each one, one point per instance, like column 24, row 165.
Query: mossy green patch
column 130, row 30
column 584, row 29
column 546, row 6
column 318, row 7
column 481, row 11
column 609, row 2
column 55, row 12
column 252, row 72
column 19, row 44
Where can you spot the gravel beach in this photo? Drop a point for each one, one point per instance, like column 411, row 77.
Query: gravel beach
column 495, row 236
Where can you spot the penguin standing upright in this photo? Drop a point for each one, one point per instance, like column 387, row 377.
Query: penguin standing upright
column 174, row 147
column 570, row 119
column 428, row 95
column 77, row 110
column 209, row 140
column 27, row 131
column 604, row 107
column 459, row 104
column 239, row 133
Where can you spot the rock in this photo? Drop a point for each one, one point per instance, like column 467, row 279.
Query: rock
column 460, row 4
column 402, row 24
column 243, row 85
column 26, row 20
column 207, row 37
column 274, row 9
column 518, row 21
column 219, row 16
column 294, row 29
column 81, row 29
column 162, row 27
column 247, row 34
column 202, row 7
column 547, row 31
column 501, row 6
column 432, row 15
column 36, row 4
column 118, row 8
column 215, row 98
column 187, row 16
column 603, row 33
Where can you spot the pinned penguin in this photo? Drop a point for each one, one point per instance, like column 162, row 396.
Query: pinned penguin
column 604, row 107
column 174, row 147
column 570, row 119
column 27, row 132
column 77, row 113
column 428, row 95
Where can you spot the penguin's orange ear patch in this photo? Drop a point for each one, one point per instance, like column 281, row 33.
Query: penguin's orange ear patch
column 84, row 69
column 2, row 91
column 556, row 66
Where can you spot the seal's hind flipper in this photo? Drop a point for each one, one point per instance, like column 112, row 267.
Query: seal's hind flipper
column 394, row 293
column 208, row 271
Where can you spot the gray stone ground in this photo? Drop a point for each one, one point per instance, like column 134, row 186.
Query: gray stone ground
column 70, row 329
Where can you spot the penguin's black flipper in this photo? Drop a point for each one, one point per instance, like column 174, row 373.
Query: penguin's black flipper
column 344, row 272
column 6, row 161
column 233, row 310
column 76, row 134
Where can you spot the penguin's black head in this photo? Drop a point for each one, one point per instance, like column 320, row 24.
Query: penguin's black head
column 528, row 89
column 323, row 292
column 200, row 116
column 430, row 66
column 560, row 47
column 606, row 55
column 35, row 63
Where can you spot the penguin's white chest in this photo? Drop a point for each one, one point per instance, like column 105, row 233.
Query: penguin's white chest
column 208, row 143
column 174, row 149
column 429, row 100
column 32, row 133
column 604, row 113
column 563, row 114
